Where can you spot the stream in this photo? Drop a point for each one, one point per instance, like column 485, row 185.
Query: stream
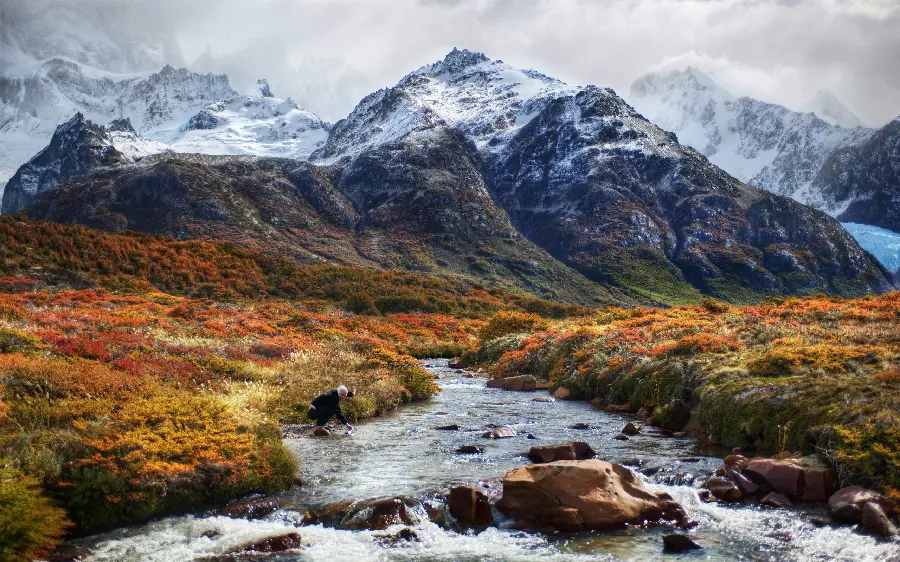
column 402, row 454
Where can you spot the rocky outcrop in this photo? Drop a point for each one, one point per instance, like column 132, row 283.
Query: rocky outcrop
column 584, row 495
column 521, row 382
column 574, row 451
column 470, row 507
column 379, row 513
column 784, row 477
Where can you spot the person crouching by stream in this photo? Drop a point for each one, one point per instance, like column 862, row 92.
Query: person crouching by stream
column 325, row 406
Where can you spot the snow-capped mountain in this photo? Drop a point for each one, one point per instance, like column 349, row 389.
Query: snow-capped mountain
column 822, row 158
column 829, row 108
column 187, row 111
column 763, row 144
column 587, row 178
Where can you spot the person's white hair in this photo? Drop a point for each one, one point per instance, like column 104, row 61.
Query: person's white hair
column 342, row 390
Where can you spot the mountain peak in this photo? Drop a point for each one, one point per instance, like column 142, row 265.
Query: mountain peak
column 456, row 60
column 262, row 88
column 691, row 79
column 829, row 108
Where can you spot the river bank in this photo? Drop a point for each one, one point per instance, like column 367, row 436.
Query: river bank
column 402, row 454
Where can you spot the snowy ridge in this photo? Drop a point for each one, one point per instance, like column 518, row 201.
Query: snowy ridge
column 487, row 100
column 160, row 106
column 829, row 108
column 763, row 144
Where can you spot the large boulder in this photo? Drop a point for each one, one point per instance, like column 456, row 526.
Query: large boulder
column 574, row 496
column 846, row 504
column 574, row 451
column 470, row 507
column 562, row 393
column 522, row 382
column 782, row 476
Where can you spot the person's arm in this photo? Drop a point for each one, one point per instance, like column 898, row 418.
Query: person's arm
column 340, row 416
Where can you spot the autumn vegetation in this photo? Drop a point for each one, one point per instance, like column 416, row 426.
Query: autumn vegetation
column 817, row 374
column 142, row 376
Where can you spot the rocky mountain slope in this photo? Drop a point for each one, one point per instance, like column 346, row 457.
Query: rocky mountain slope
column 865, row 179
column 473, row 167
column 819, row 158
column 443, row 221
column 76, row 148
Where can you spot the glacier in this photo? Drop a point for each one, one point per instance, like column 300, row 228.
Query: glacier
column 882, row 243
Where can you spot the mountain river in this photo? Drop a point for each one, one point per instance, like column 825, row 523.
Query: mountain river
column 402, row 454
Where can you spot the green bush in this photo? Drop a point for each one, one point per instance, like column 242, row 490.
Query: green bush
column 30, row 525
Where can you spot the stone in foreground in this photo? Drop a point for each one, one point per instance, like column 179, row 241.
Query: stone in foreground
column 574, row 496
column 846, row 504
column 320, row 432
column 282, row 543
column 876, row 522
column 499, row 433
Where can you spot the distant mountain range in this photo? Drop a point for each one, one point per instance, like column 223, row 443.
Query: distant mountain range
column 467, row 166
column 824, row 159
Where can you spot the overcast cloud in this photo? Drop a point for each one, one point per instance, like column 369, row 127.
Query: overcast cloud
column 328, row 53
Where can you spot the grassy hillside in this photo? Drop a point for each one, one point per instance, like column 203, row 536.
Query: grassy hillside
column 817, row 374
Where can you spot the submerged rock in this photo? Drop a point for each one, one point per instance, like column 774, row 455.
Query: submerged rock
column 451, row 427
column 584, row 495
column 579, row 425
column 574, row 451
column 320, row 432
column 543, row 399
column 469, row 450
column 679, row 543
column 499, row 433
column 282, row 543
column 470, row 507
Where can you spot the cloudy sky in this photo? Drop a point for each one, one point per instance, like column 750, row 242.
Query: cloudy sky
column 328, row 53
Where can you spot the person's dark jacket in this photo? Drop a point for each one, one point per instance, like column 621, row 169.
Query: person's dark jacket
column 326, row 405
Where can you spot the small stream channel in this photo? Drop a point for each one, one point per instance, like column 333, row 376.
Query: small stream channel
column 402, row 454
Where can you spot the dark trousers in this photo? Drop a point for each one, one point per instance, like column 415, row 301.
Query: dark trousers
column 321, row 416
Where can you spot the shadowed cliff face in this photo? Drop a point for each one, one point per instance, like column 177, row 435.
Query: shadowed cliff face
column 403, row 207
column 866, row 179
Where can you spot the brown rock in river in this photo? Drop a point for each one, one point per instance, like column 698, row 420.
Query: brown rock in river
column 499, row 433
column 875, row 522
column 562, row 393
column 378, row 514
column 282, row 543
column 846, row 504
column 630, row 429
column 747, row 486
column 249, row 509
column 582, row 495
column 774, row 499
column 679, row 543
column 784, row 477
column 574, row 451
column 469, row 450
column 724, row 489
column 320, row 431
column 522, row 382
column 470, row 506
